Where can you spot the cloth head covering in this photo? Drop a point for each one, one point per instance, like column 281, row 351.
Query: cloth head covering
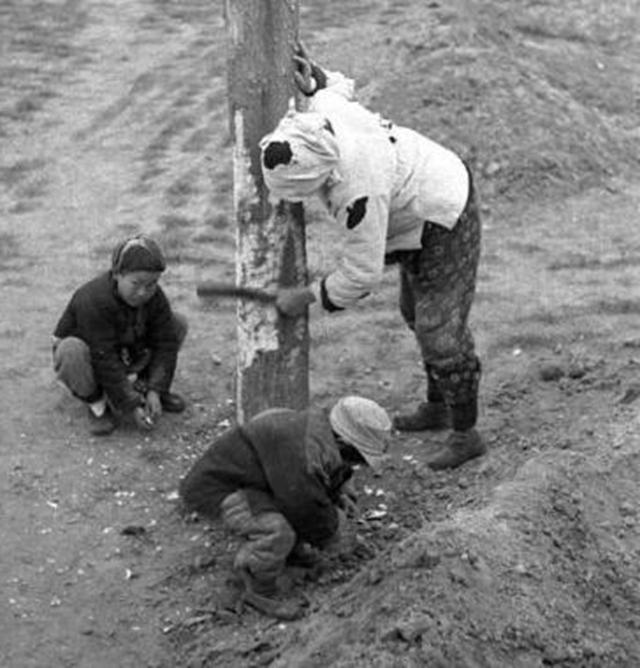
column 363, row 424
column 139, row 253
column 307, row 155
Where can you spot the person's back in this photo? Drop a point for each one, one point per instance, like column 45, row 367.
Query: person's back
column 280, row 480
column 282, row 459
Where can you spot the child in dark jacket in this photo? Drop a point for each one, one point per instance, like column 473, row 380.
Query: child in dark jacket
column 280, row 481
column 116, row 343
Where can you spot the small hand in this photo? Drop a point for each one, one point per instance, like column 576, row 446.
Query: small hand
column 344, row 540
column 309, row 77
column 349, row 505
column 293, row 301
column 303, row 75
column 154, row 405
column 348, row 499
column 142, row 419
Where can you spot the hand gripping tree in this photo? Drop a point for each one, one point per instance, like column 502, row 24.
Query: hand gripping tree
column 273, row 351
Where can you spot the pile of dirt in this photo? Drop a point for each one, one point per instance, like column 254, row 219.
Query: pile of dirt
column 533, row 578
column 113, row 120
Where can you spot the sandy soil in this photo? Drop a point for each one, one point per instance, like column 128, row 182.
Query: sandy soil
column 113, row 120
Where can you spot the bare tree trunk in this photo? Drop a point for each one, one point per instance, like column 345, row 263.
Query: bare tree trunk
column 273, row 352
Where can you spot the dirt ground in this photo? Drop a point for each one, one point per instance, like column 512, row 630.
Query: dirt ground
column 112, row 120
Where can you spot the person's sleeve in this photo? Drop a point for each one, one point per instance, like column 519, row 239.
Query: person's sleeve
column 309, row 509
column 96, row 322
column 302, row 496
column 197, row 489
column 336, row 94
column 163, row 343
column 361, row 266
column 66, row 323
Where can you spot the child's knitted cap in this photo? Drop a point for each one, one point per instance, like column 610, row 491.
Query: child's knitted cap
column 139, row 253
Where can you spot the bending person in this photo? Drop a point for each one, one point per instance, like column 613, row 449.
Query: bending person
column 402, row 199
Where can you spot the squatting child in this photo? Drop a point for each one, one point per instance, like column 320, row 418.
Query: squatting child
column 116, row 344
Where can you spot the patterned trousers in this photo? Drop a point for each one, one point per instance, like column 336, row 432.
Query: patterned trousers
column 437, row 287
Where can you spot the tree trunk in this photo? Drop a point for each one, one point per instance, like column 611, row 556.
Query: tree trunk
column 273, row 351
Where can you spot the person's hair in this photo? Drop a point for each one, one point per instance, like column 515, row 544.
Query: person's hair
column 139, row 253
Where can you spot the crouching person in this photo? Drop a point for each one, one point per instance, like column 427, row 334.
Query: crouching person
column 279, row 482
column 116, row 344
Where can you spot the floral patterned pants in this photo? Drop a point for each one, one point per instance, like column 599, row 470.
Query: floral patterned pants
column 437, row 287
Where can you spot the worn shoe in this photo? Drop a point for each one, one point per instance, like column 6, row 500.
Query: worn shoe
column 172, row 403
column 101, row 425
column 460, row 447
column 303, row 556
column 428, row 415
column 263, row 596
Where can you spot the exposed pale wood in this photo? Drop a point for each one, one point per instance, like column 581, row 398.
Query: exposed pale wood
column 273, row 352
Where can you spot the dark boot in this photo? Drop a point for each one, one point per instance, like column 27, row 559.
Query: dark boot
column 262, row 595
column 464, row 442
column 432, row 414
column 172, row 403
column 460, row 447
column 429, row 415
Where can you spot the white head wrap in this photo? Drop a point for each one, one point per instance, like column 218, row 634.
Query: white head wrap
column 363, row 424
column 314, row 156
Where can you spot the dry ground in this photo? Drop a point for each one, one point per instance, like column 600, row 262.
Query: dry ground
column 113, row 120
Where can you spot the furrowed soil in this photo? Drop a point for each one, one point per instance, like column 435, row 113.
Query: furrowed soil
column 113, row 120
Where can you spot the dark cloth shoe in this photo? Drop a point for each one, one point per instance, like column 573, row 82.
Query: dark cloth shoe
column 429, row 415
column 172, row 403
column 460, row 447
column 102, row 425
column 303, row 556
column 263, row 595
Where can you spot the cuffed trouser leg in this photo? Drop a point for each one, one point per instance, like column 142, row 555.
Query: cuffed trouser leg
column 72, row 365
column 269, row 538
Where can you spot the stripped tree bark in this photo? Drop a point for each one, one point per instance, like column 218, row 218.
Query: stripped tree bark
column 273, row 351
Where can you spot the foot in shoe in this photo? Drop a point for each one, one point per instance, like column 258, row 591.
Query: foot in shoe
column 101, row 425
column 172, row 403
column 460, row 447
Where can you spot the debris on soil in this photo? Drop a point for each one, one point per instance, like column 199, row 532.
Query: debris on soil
column 113, row 120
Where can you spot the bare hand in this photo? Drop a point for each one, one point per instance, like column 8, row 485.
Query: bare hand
column 348, row 499
column 293, row 301
column 349, row 505
column 154, row 405
column 344, row 540
column 308, row 76
column 303, row 75
column 142, row 419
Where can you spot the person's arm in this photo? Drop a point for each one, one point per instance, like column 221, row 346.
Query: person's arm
column 162, row 343
column 360, row 268
column 65, row 327
column 67, row 323
column 311, row 79
column 309, row 509
column 361, row 265
column 97, row 324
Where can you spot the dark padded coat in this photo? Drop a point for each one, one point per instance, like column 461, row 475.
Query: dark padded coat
column 119, row 335
column 284, row 460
